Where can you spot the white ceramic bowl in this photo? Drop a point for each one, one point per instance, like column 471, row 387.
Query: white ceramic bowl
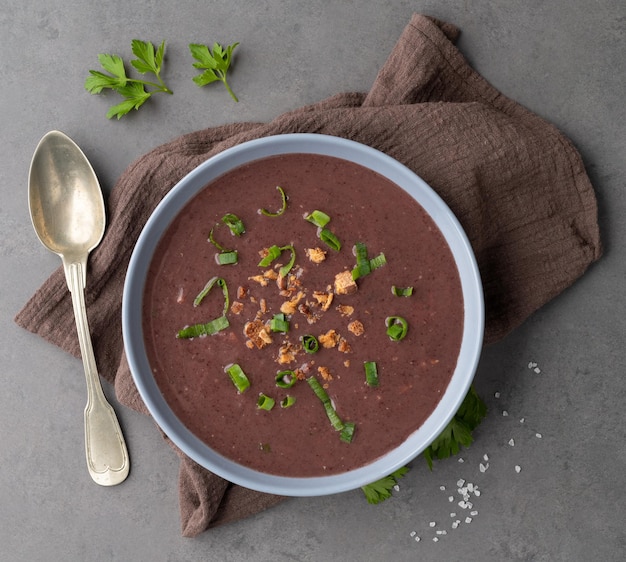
column 173, row 203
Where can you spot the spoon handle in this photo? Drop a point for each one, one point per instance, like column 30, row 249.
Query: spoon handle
column 107, row 456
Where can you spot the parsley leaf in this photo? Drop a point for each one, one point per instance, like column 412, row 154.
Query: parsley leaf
column 459, row 431
column 380, row 490
column 133, row 90
column 215, row 64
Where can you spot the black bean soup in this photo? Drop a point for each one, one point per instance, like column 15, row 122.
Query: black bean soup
column 309, row 287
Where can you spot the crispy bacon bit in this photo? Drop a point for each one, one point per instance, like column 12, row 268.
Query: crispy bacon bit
column 344, row 284
column 305, row 309
column 344, row 346
column 345, row 309
column 270, row 274
column 346, row 363
column 329, row 339
column 242, row 292
column 260, row 280
column 323, row 299
column 249, row 344
column 356, row 327
column 316, row 255
column 258, row 333
column 325, row 373
column 236, row 307
column 263, row 305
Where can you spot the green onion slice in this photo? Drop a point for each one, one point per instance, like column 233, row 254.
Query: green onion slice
column 215, row 242
column 234, row 223
column 283, row 207
column 371, row 373
column 227, row 258
column 279, row 323
column 347, row 433
column 287, row 401
column 330, row 239
column 265, row 402
column 397, row 327
column 318, row 389
column 318, row 218
column 402, row 291
column 220, row 282
column 239, row 378
column 310, row 343
column 378, row 261
column 285, row 379
column 274, row 252
column 208, row 329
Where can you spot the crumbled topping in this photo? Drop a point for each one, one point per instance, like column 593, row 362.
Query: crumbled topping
column 345, row 309
column 316, row 255
column 260, row 279
column 344, row 284
column 287, row 353
column 236, row 307
column 258, row 333
column 325, row 373
column 290, row 306
column 305, row 310
column 356, row 327
column 329, row 339
column 344, row 346
column 242, row 292
column 323, row 299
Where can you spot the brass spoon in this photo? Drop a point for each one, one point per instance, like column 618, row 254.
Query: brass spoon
column 67, row 212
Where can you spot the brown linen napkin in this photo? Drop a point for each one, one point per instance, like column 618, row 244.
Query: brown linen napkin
column 516, row 184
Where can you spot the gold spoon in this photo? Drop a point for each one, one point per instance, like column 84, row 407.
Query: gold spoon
column 67, row 212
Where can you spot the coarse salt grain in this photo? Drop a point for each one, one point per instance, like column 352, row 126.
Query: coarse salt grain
column 497, row 394
column 462, row 505
column 396, row 488
column 468, row 519
column 518, row 468
column 460, row 483
column 537, row 370
column 486, row 457
column 522, row 420
column 505, row 413
column 413, row 533
column 432, row 523
column 453, row 515
column 455, row 524
column 474, row 513
column 461, row 459
column 435, row 539
column 450, row 498
column 417, row 539
column 477, row 492
column 512, row 442
column 483, row 467
column 442, row 488
column 538, row 435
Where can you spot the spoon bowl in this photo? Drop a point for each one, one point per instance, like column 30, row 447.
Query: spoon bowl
column 67, row 211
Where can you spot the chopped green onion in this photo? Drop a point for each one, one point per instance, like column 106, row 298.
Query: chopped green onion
column 239, row 378
column 347, row 433
column 330, row 239
column 234, row 223
column 288, row 401
column 283, row 207
column 285, row 379
column 215, row 242
column 221, row 282
column 279, row 323
column 310, row 343
column 265, row 402
column 397, row 327
column 347, row 428
column 333, row 417
column 318, row 389
column 227, row 258
column 378, row 261
column 402, row 291
column 208, row 329
column 273, row 252
column 371, row 373
column 318, row 218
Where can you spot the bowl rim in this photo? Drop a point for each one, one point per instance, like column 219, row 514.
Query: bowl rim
column 171, row 205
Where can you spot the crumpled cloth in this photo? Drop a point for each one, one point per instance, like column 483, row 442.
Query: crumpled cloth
column 516, row 184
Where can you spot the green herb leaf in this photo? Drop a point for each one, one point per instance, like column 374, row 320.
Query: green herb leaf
column 459, row 431
column 215, row 64
column 381, row 490
column 131, row 89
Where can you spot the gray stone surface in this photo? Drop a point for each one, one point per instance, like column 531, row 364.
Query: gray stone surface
column 564, row 59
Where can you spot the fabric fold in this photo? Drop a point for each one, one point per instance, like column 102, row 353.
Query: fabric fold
column 516, row 184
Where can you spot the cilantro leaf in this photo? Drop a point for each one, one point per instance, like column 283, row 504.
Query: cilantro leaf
column 131, row 89
column 459, row 431
column 381, row 490
column 215, row 64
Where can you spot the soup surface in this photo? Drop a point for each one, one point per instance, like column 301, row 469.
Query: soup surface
column 318, row 297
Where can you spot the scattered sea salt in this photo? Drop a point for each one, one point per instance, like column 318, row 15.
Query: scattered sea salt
column 486, row 457
column 413, row 533
column 468, row 519
column 522, row 420
column 435, row 539
column 497, row 394
column 450, row 498
column 537, row 370
column 512, row 442
column 477, row 492
column 460, row 483
column 455, row 524
column 442, row 488
column 417, row 539
column 505, row 413
column 461, row 459
column 483, row 467
column 432, row 523
column 474, row 513
column 396, row 487
column 453, row 515
column 538, row 435
column 518, row 468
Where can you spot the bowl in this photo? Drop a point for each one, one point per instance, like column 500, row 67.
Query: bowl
column 172, row 204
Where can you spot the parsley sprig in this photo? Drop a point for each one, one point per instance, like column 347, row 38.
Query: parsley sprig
column 133, row 90
column 214, row 63
column 380, row 490
column 459, row 431
column 456, row 434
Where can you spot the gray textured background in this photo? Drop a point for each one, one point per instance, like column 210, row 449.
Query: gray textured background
column 564, row 59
